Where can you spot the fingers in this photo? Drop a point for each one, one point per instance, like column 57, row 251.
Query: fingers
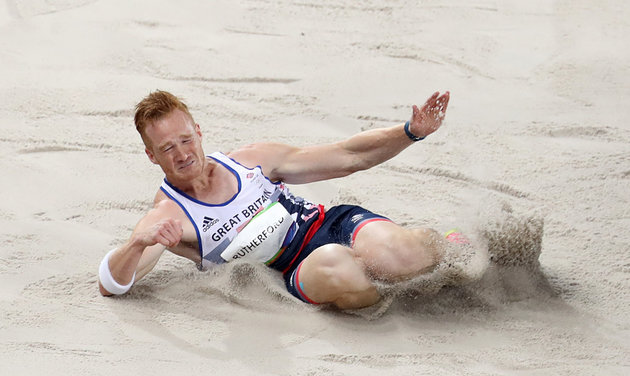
column 168, row 232
column 429, row 117
column 442, row 102
column 435, row 103
column 431, row 101
column 440, row 107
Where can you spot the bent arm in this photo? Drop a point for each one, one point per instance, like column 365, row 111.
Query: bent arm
column 139, row 255
column 124, row 269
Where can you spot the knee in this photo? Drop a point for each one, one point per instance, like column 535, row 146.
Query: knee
column 413, row 252
column 327, row 268
column 332, row 274
column 430, row 244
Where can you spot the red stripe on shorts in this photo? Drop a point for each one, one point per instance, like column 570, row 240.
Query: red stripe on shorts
column 309, row 235
column 298, row 287
column 361, row 224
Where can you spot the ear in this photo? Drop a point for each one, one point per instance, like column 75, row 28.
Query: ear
column 198, row 130
column 150, row 155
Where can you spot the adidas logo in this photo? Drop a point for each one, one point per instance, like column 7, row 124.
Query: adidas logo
column 356, row 218
column 208, row 222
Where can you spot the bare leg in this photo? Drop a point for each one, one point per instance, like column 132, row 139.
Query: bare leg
column 331, row 274
column 382, row 251
column 392, row 253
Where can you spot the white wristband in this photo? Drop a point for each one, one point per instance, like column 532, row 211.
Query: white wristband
column 108, row 281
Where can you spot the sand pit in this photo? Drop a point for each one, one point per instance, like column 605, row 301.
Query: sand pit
column 534, row 159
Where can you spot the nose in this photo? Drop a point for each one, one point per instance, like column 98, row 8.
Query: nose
column 180, row 154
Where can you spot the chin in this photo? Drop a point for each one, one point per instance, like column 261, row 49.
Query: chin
column 190, row 171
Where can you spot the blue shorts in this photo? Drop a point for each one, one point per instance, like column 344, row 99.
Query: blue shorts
column 340, row 226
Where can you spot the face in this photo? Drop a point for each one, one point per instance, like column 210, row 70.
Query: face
column 174, row 143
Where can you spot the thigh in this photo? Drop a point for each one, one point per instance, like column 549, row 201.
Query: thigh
column 340, row 225
column 390, row 252
column 331, row 274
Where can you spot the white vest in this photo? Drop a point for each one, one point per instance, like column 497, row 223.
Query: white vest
column 251, row 224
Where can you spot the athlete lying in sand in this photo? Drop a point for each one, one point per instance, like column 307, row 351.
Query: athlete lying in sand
column 222, row 207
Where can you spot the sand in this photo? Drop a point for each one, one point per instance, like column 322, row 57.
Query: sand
column 534, row 157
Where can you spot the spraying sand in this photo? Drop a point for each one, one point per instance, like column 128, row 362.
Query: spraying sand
column 533, row 164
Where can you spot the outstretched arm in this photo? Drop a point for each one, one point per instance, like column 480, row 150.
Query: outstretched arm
column 359, row 152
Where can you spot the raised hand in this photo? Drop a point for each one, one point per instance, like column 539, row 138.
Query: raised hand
column 428, row 118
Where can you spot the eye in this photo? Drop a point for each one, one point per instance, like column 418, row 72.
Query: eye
column 167, row 149
column 186, row 141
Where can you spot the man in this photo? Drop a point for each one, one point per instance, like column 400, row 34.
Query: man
column 224, row 207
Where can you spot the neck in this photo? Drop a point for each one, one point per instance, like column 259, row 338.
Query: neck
column 214, row 185
column 198, row 185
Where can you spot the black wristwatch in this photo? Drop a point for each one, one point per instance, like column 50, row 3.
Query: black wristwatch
column 412, row 136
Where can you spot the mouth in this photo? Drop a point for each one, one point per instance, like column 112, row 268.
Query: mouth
column 186, row 165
